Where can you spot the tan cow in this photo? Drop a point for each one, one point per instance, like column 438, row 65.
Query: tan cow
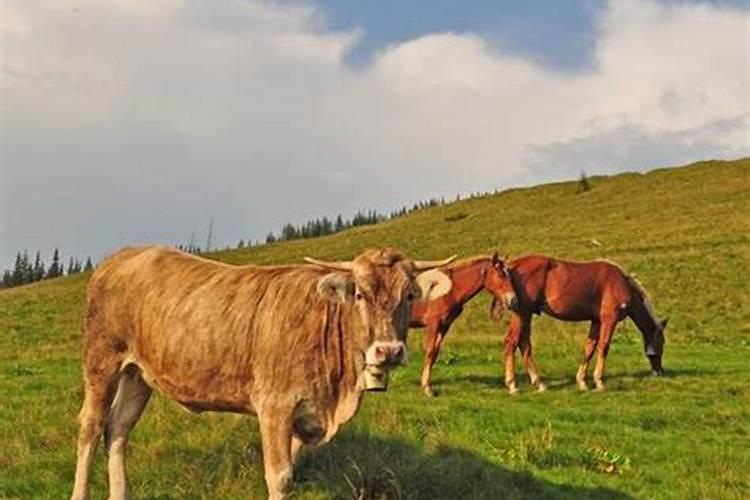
column 295, row 345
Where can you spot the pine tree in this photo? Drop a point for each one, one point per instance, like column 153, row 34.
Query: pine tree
column 89, row 265
column 55, row 269
column 27, row 271
column 7, row 279
column 583, row 183
column 38, row 268
column 71, row 267
column 288, row 232
column 17, row 275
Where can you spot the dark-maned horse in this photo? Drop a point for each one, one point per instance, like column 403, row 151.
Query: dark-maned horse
column 468, row 278
column 599, row 291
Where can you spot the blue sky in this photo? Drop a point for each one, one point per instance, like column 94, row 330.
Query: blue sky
column 557, row 33
column 256, row 113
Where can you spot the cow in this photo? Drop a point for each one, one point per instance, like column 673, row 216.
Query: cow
column 294, row 345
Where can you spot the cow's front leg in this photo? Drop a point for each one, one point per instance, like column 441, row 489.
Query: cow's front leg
column 276, row 435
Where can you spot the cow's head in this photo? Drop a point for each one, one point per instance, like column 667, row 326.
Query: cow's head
column 380, row 285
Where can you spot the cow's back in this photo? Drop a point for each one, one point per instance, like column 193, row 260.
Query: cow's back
column 203, row 331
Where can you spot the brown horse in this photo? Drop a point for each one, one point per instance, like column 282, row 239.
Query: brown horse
column 468, row 278
column 599, row 291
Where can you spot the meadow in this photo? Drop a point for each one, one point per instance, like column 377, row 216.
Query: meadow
column 685, row 232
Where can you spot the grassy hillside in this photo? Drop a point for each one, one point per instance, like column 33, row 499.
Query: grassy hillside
column 684, row 231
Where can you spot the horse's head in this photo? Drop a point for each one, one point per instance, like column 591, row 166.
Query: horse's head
column 499, row 283
column 655, row 347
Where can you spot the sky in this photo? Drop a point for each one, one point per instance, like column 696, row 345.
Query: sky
column 129, row 122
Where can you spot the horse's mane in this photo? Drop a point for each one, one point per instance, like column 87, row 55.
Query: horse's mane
column 635, row 284
column 467, row 261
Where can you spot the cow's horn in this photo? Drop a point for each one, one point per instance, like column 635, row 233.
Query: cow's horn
column 422, row 265
column 339, row 266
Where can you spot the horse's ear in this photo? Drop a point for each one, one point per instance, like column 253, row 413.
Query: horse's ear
column 663, row 323
column 496, row 262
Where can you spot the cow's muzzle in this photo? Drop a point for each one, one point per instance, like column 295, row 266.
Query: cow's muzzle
column 376, row 378
column 379, row 358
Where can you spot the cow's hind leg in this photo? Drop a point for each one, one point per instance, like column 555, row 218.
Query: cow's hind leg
column 99, row 389
column 130, row 400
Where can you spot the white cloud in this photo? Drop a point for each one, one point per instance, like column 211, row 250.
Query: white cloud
column 137, row 121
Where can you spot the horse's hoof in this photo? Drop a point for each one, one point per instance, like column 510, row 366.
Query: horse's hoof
column 599, row 387
column 582, row 386
column 428, row 392
column 513, row 391
column 541, row 387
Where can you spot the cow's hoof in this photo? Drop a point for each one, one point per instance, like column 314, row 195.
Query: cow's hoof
column 541, row 387
column 428, row 391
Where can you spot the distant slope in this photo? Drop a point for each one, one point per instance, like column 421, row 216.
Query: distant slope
column 685, row 231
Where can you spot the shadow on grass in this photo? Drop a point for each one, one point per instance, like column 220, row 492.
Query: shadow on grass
column 495, row 381
column 369, row 467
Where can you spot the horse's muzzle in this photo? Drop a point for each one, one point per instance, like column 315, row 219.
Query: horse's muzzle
column 656, row 368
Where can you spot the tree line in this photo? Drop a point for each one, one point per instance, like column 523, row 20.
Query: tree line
column 25, row 271
column 323, row 226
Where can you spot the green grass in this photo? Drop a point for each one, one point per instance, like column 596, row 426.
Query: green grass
column 685, row 232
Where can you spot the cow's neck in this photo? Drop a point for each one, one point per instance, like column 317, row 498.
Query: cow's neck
column 342, row 366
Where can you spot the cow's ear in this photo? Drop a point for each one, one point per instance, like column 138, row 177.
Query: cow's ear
column 433, row 284
column 336, row 287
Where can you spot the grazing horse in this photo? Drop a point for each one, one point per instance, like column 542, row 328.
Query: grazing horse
column 468, row 278
column 600, row 292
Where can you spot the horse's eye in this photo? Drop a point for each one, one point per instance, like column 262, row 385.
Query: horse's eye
column 410, row 296
column 358, row 295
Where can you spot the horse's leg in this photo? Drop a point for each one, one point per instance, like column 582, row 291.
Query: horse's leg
column 512, row 339
column 605, row 337
column 431, row 350
column 588, row 352
column 528, row 359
